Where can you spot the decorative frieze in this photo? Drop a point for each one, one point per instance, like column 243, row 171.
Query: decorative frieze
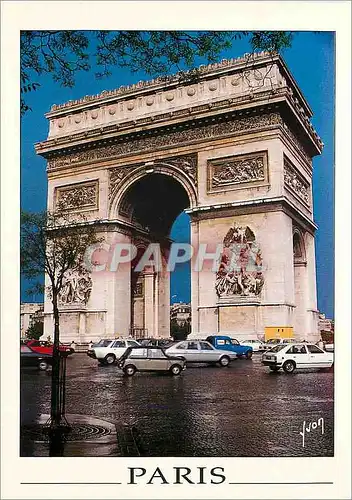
column 297, row 143
column 77, row 196
column 164, row 138
column 240, row 269
column 230, row 172
column 295, row 182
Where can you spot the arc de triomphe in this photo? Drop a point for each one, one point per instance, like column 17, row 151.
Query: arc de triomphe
column 234, row 149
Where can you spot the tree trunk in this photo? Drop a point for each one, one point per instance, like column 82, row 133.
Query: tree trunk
column 55, row 379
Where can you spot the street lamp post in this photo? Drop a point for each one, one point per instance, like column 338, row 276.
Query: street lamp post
column 57, row 426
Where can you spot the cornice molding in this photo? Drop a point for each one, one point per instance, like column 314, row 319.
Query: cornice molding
column 279, row 203
column 212, row 111
column 187, row 133
column 203, row 71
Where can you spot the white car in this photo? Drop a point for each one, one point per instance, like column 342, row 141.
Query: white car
column 269, row 344
column 256, row 344
column 201, row 351
column 297, row 355
column 107, row 351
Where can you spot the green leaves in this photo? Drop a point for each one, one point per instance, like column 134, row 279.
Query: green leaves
column 64, row 53
column 272, row 41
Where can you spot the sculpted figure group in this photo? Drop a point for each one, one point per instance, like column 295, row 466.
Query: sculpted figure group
column 240, row 269
column 76, row 289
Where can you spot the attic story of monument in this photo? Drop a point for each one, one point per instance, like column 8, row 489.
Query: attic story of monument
column 234, row 150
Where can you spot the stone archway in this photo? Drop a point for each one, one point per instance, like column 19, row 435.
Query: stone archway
column 150, row 201
column 239, row 147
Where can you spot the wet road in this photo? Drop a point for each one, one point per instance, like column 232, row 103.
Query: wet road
column 242, row 410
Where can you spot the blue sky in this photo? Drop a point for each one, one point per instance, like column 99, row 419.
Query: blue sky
column 311, row 59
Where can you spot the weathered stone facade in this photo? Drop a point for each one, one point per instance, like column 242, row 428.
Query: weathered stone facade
column 235, row 150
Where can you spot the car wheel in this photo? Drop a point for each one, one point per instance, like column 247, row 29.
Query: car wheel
column 110, row 359
column 175, row 370
column 224, row 361
column 274, row 368
column 289, row 366
column 43, row 365
column 129, row 370
column 249, row 354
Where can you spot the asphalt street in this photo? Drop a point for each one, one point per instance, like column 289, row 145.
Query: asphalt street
column 243, row 410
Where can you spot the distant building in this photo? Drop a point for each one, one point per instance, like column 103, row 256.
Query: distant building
column 325, row 324
column 31, row 312
column 180, row 312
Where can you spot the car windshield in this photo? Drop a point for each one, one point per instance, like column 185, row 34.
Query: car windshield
column 103, row 343
column 277, row 348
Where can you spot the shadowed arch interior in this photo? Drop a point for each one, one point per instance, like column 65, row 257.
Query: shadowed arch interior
column 153, row 203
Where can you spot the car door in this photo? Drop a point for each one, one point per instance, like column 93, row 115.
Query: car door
column 157, row 359
column 192, row 352
column 178, row 350
column 208, row 353
column 28, row 357
column 139, row 358
column 299, row 354
column 118, row 347
column 319, row 358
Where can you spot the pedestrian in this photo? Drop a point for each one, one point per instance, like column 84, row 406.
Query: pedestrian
column 73, row 346
column 321, row 344
column 90, row 344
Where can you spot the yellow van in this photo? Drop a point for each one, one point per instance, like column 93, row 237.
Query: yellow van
column 278, row 332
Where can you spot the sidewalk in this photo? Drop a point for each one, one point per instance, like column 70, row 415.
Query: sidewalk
column 89, row 437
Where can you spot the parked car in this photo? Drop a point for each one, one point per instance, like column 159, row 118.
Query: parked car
column 290, row 357
column 147, row 359
column 46, row 348
column 226, row 343
column 200, row 351
column 107, row 351
column 256, row 344
column 269, row 344
column 30, row 357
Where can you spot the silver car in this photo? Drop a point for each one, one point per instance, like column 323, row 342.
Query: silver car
column 201, row 351
column 151, row 358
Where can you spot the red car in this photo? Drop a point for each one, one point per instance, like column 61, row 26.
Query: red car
column 39, row 347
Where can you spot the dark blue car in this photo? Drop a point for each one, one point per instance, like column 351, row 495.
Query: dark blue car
column 228, row 344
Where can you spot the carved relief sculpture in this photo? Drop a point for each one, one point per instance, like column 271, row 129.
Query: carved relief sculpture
column 76, row 288
column 187, row 163
column 115, row 177
column 237, row 170
column 77, row 196
column 240, row 269
column 294, row 181
column 165, row 138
